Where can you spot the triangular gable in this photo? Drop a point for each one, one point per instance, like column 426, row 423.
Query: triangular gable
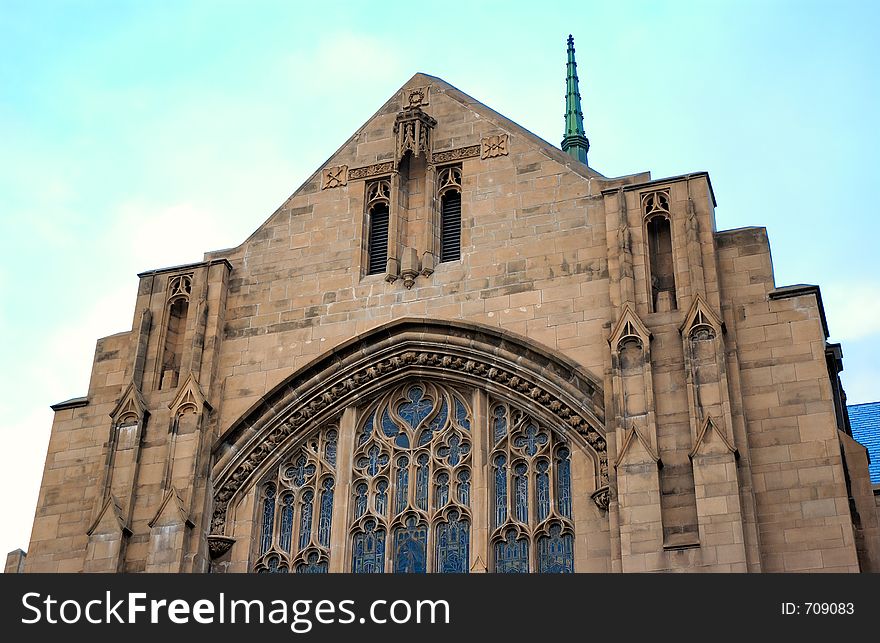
column 712, row 441
column 189, row 395
column 172, row 511
column 700, row 314
column 629, row 325
column 109, row 519
column 631, row 440
column 438, row 87
column 131, row 404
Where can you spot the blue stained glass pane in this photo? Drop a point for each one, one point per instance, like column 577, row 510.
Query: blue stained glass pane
column 305, row 519
column 499, row 421
column 410, row 546
column 464, row 487
column 300, row 471
column 274, row 566
column 453, row 540
column 532, row 439
column 555, row 552
column 382, row 497
column 326, row 516
column 500, row 490
column 442, row 493
column 286, row 536
column 368, row 550
column 417, row 409
column 389, row 428
column 268, row 519
column 367, row 431
column 521, row 492
column 454, row 451
column 435, row 425
column 512, row 555
column 402, row 490
column 373, row 461
column 563, row 482
column 461, row 415
column 312, row 566
column 360, row 500
column 330, row 447
column 542, row 489
column 422, row 482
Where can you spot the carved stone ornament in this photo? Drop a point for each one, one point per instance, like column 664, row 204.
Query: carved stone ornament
column 334, row 177
column 346, row 384
column 377, row 169
column 413, row 133
column 219, row 545
column 602, row 498
column 494, row 146
column 415, row 97
column 457, row 154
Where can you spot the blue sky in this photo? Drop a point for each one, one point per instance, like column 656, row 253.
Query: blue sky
column 135, row 135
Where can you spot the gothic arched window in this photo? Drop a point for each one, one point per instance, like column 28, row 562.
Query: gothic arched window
column 411, row 483
column 296, row 509
column 531, row 495
column 449, row 193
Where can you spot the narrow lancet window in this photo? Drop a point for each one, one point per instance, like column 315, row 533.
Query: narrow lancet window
column 378, row 204
column 661, row 264
column 449, row 191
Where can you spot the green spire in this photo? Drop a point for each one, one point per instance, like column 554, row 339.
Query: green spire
column 575, row 143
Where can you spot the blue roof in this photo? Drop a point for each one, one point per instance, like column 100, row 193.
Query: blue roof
column 865, row 422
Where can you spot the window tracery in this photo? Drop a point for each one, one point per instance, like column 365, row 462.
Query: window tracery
column 414, row 446
column 296, row 509
column 531, row 495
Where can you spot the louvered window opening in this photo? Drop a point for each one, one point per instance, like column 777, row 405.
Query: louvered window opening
column 378, row 244
column 450, row 227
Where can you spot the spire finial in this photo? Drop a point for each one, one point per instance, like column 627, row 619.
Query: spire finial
column 575, row 143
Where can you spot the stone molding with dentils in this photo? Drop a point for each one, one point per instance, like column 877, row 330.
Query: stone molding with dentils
column 472, row 354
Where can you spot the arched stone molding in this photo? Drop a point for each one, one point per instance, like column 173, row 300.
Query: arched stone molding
column 499, row 362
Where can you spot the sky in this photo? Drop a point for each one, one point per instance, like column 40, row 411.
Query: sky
column 138, row 135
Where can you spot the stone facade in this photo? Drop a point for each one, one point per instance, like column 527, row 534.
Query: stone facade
column 695, row 395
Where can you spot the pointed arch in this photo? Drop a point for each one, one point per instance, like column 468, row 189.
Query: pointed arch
column 497, row 361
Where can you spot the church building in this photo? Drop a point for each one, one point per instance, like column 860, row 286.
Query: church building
column 459, row 348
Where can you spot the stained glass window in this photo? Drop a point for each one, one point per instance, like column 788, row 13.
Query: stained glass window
column 563, row 481
column 464, row 487
column 409, row 488
column 512, row 554
column 442, row 492
column 368, row 550
column 324, row 520
column 521, row 491
column 286, row 522
column 542, row 489
column 268, row 518
column 360, row 501
column 422, row 482
column 312, row 565
column 533, row 515
column 500, row 490
column 555, row 552
column 453, row 539
column 418, row 465
column 300, row 491
column 305, row 518
column 410, row 547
